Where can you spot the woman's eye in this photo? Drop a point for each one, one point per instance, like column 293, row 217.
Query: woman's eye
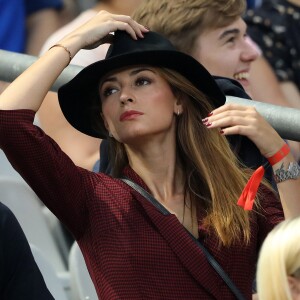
column 142, row 81
column 109, row 91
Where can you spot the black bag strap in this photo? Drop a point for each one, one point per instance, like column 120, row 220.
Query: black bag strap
column 209, row 257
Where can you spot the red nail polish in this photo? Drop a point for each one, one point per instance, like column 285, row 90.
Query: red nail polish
column 221, row 131
column 205, row 120
column 208, row 124
column 210, row 114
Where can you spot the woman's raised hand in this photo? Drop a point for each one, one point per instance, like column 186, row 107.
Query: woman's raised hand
column 97, row 30
column 245, row 120
column 30, row 88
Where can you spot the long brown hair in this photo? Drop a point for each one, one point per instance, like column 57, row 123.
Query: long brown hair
column 214, row 177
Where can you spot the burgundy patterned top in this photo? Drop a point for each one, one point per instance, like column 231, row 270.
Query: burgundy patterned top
column 131, row 250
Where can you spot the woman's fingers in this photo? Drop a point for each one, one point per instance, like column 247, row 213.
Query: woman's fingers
column 96, row 30
column 115, row 22
column 233, row 119
column 231, row 116
column 133, row 31
column 229, row 107
column 132, row 27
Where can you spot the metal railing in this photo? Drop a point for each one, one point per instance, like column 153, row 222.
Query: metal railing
column 285, row 120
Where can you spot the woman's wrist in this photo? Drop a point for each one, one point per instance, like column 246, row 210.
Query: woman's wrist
column 279, row 155
column 287, row 171
column 65, row 48
column 73, row 44
column 284, row 165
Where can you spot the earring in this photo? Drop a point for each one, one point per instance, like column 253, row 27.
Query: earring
column 178, row 112
column 110, row 134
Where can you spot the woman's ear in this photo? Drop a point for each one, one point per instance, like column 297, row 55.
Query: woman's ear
column 294, row 284
column 180, row 101
column 178, row 109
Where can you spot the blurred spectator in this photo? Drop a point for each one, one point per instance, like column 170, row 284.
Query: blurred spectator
column 20, row 277
column 69, row 12
column 26, row 24
column 85, row 4
column 253, row 3
column 275, row 27
column 278, row 273
column 82, row 149
column 214, row 33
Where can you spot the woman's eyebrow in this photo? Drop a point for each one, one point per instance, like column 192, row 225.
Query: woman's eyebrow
column 136, row 71
column 108, row 79
column 132, row 73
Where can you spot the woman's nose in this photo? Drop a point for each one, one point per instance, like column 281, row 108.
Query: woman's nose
column 126, row 95
column 125, row 100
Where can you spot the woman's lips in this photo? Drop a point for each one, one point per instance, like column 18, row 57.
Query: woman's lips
column 129, row 115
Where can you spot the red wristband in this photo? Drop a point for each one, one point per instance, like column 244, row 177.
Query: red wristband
column 278, row 156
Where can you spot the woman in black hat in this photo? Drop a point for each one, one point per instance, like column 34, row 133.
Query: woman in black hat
column 156, row 107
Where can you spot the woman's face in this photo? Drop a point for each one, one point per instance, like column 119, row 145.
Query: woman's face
column 227, row 52
column 137, row 103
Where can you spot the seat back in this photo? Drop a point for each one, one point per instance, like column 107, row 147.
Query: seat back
column 81, row 284
column 53, row 282
column 27, row 207
column 6, row 169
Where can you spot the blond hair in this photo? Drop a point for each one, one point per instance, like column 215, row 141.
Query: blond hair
column 214, row 179
column 181, row 21
column 279, row 258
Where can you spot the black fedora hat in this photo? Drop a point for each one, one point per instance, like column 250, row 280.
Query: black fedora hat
column 79, row 99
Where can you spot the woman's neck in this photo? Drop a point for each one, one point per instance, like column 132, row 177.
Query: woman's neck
column 159, row 168
column 162, row 172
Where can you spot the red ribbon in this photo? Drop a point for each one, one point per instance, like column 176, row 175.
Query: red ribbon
column 247, row 197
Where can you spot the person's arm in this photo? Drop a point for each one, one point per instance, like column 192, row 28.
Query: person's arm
column 245, row 120
column 31, row 87
column 291, row 93
column 276, row 46
column 39, row 26
column 265, row 86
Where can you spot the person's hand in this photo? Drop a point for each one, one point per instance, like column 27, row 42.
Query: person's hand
column 97, row 31
column 245, row 120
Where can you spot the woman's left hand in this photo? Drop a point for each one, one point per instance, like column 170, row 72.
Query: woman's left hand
column 245, row 120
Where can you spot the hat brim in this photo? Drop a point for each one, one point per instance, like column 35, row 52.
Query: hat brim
column 80, row 102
